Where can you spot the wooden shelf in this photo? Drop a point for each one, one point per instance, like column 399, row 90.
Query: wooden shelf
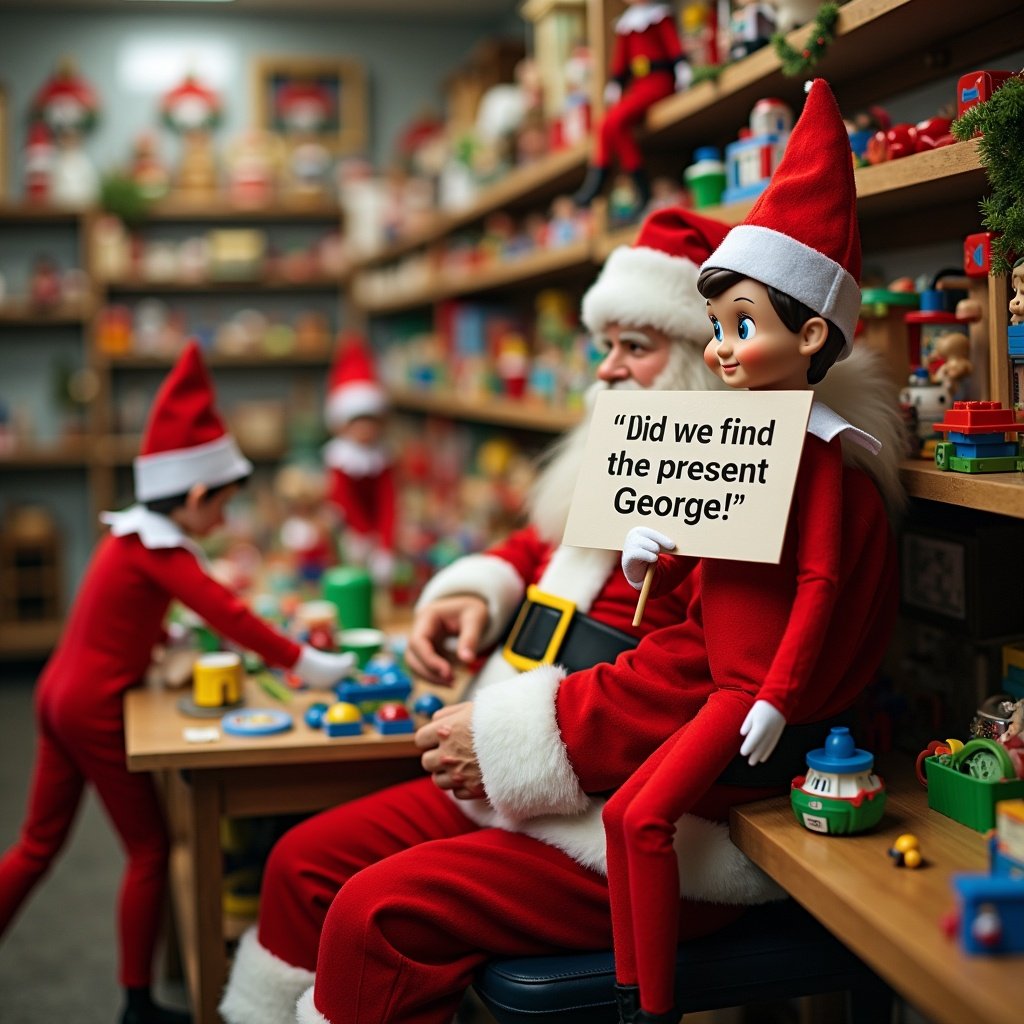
column 869, row 60
column 497, row 411
column 221, row 210
column 1001, row 493
column 69, row 454
column 530, row 269
column 21, row 314
column 29, row 639
column 121, row 449
column 244, row 362
column 530, row 184
column 27, row 213
column 314, row 284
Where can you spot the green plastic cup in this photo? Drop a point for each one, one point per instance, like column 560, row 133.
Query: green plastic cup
column 350, row 590
column 363, row 643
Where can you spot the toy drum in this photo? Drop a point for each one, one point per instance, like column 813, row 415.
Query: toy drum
column 350, row 590
column 217, row 680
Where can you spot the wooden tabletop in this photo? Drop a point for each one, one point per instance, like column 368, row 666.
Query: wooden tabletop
column 154, row 735
column 889, row 916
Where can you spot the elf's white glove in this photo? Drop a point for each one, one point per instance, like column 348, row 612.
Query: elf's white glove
column 381, row 566
column 612, row 93
column 640, row 550
column 322, row 669
column 763, row 726
column 684, row 75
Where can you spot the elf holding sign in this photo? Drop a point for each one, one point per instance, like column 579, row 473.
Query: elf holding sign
column 792, row 642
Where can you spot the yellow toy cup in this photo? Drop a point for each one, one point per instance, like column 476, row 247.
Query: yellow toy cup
column 217, row 680
column 363, row 643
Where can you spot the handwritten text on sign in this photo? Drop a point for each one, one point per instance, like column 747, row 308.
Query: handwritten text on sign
column 713, row 470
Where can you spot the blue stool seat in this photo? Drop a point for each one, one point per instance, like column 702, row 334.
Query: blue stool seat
column 776, row 951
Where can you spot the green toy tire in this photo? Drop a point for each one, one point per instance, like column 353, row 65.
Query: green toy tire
column 985, row 759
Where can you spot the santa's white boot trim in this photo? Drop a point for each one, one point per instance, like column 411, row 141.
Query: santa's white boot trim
column 262, row 989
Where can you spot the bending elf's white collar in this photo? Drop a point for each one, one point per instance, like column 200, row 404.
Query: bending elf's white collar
column 357, row 460
column 826, row 424
column 641, row 16
column 153, row 530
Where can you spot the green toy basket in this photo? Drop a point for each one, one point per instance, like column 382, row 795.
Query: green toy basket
column 966, row 799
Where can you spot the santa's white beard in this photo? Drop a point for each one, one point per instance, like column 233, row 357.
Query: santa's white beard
column 552, row 491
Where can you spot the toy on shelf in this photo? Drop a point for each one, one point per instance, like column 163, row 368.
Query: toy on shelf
column 372, row 690
column 705, row 177
column 979, row 86
column 906, row 851
column 342, row 719
column 989, row 918
column 900, row 140
column 950, row 365
column 216, row 685
column 360, row 468
column 840, row 794
column 966, row 784
column 1015, row 332
column 44, row 287
column 751, row 161
column 647, row 65
column 193, row 110
column 751, row 26
column 253, row 163
column 977, row 439
column 147, row 170
column 40, row 155
column 392, row 719
column 1013, row 670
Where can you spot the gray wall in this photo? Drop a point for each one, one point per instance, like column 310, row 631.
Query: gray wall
column 405, row 58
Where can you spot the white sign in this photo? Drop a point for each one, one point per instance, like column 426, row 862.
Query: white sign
column 714, row 470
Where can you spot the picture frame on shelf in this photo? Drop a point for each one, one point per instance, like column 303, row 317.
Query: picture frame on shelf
column 313, row 99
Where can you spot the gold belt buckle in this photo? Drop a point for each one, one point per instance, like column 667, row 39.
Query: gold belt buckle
column 640, row 66
column 566, row 610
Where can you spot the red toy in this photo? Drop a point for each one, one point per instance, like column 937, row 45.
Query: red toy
column 978, row 86
column 978, row 254
column 647, row 65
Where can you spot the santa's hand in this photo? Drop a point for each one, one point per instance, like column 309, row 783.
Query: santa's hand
column 612, row 93
column 684, row 75
column 762, row 727
column 322, row 669
column 464, row 617
column 450, row 755
column 640, row 551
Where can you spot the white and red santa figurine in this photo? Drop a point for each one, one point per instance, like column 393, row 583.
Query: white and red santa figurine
column 360, row 467
column 648, row 64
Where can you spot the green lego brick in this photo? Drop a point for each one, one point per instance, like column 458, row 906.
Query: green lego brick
column 1005, row 464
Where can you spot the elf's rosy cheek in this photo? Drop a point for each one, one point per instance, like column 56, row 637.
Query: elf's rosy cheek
column 711, row 356
column 752, row 355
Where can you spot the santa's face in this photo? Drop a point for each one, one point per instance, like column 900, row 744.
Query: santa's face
column 752, row 348
column 633, row 356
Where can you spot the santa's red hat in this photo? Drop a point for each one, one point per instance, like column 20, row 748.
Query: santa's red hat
column 352, row 388
column 654, row 281
column 802, row 237
column 186, row 442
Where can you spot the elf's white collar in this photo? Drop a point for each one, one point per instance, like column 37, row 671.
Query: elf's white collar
column 154, row 530
column 357, row 460
column 827, row 424
column 641, row 16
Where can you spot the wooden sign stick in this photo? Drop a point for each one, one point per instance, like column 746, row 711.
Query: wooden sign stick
column 641, row 601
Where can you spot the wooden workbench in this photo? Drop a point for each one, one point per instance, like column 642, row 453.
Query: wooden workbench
column 890, row 917
column 300, row 771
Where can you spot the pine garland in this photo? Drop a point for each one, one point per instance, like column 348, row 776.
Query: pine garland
column 1000, row 121
column 796, row 63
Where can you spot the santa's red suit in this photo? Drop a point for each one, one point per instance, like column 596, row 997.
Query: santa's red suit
column 644, row 60
column 406, row 892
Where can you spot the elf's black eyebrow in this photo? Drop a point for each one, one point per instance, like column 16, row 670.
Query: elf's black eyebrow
column 743, row 298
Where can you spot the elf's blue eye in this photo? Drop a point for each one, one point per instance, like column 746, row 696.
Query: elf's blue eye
column 717, row 328
column 747, row 328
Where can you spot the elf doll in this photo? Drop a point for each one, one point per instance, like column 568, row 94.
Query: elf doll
column 361, row 483
column 188, row 470
column 786, row 643
column 647, row 65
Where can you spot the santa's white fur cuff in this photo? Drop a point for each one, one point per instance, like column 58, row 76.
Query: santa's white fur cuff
column 263, row 988
column 306, row 1012
column 523, row 761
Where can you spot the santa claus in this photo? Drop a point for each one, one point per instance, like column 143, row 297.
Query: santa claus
column 406, row 866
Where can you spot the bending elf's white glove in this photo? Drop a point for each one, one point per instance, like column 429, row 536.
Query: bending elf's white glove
column 612, row 93
column 640, row 550
column 322, row 669
column 763, row 726
column 684, row 75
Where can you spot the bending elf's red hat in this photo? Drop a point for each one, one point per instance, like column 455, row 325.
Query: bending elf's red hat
column 802, row 237
column 186, row 442
column 352, row 388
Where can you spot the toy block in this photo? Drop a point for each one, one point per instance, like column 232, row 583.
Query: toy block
column 982, row 465
column 393, row 719
column 978, row 254
column 972, row 418
column 978, row 86
column 1015, row 340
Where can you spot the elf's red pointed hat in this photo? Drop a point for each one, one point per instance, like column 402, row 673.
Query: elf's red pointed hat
column 186, row 442
column 653, row 282
column 352, row 388
column 802, row 235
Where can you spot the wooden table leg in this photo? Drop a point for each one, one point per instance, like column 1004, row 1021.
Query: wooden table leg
column 207, row 876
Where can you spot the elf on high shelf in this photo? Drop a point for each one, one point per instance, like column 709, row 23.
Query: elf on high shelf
column 388, row 904
column 360, row 471
column 188, row 469
column 647, row 65
column 783, row 300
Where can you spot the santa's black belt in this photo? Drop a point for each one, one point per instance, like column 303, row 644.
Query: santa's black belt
column 549, row 630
